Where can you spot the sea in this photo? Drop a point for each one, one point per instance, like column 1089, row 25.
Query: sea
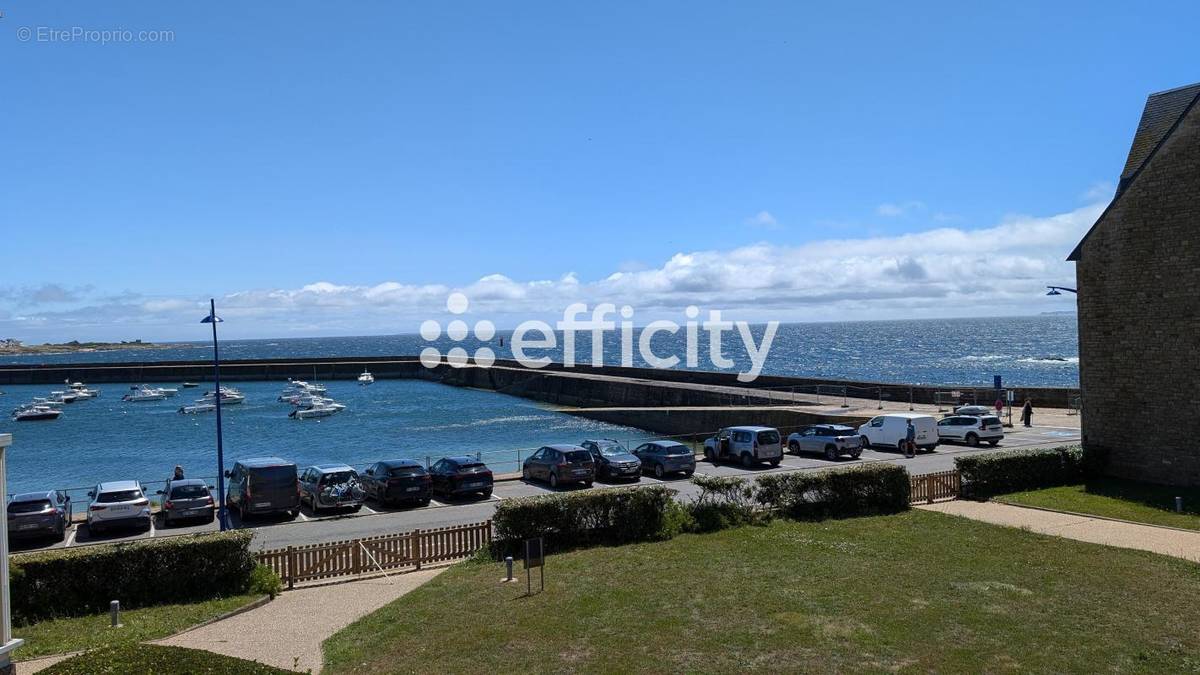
column 107, row 439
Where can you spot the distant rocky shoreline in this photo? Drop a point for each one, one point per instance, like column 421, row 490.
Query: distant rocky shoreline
column 9, row 347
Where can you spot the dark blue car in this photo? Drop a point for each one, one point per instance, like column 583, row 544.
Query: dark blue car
column 613, row 462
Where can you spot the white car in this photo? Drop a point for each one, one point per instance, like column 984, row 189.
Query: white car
column 120, row 503
column 890, row 430
column 971, row 430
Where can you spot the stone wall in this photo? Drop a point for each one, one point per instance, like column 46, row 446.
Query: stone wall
column 1139, row 319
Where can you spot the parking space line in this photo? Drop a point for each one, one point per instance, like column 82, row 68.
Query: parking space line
column 151, row 527
column 368, row 509
column 434, row 502
column 71, row 537
column 303, row 518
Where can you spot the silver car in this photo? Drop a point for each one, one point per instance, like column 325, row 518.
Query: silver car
column 831, row 440
column 119, row 503
column 36, row 514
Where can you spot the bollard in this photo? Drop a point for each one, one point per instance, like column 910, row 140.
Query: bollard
column 508, row 562
column 1179, row 505
column 114, row 613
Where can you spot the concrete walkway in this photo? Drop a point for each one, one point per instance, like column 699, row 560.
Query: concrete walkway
column 288, row 631
column 1162, row 540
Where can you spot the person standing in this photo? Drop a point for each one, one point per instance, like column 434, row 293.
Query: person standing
column 910, row 441
column 1027, row 413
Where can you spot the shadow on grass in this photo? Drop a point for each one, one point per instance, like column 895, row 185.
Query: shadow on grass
column 1160, row 497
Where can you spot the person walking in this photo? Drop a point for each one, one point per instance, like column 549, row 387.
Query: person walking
column 1027, row 413
column 910, row 441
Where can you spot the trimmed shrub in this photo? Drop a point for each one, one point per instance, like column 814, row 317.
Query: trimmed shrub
column 141, row 658
column 997, row 473
column 843, row 493
column 264, row 581
column 580, row 519
column 723, row 502
column 79, row 581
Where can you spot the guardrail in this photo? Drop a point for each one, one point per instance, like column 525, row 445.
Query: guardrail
column 354, row 557
column 931, row 487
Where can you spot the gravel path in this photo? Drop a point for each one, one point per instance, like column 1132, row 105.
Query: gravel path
column 288, row 631
column 1162, row 540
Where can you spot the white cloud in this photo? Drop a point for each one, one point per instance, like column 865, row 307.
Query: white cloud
column 763, row 219
column 891, row 210
column 942, row 271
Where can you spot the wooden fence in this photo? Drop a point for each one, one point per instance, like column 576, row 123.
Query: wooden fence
column 380, row 553
column 931, row 487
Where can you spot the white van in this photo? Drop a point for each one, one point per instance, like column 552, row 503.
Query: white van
column 890, row 430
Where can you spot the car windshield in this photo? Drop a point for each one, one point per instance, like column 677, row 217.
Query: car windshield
column 189, row 492
column 274, row 476
column 676, row 450
column 768, row 437
column 612, row 450
column 118, row 496
column 474, row 467
column 29, row 507
column 337, row 477
column 577, row 456
column 405, row 471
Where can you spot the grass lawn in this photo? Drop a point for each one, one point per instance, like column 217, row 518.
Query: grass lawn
column 135, row 659
column 913, row 592
column 60, row 636
column 1115, row 498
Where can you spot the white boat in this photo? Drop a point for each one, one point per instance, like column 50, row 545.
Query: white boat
column 63, row 396
column 323, row 409
column 229, row 396
column 167, row 390
column 189, row 385
column 301, row 385
column 197, row 408
column 33, row 413
column 81, row 390
column 143, row 393
column 366, row 377
column 49, row 403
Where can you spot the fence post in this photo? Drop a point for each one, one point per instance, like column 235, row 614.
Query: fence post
column 845, row 400
column 880, row 399
column 910, row 398
column 291, row 567
column 928, row 488
column 356, row 559
column 416, row 546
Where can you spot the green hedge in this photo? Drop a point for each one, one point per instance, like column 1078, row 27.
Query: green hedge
column 79, row 581
column 139, row 659
column 724, row 502
column 842, row 493
column 587, row 518
column 997, row 473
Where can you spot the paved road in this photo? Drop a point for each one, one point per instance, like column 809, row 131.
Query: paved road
column 374, row 519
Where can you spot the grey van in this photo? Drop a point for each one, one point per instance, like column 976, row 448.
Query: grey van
column 263, row 486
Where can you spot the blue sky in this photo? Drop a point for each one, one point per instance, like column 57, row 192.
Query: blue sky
column 330, row 169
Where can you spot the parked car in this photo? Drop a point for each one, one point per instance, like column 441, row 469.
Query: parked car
column 39, row 514
column 186, row 498
column 748, row 445
column 664, row 457
column 457, row 476
column 558, row 464
column 890, row 430
column 119, row 503
column 971, row 430
column 331, row 486
column 263, row 486
column 831, row 440
column 397, row 480
column 977, row 410
column 612, row 460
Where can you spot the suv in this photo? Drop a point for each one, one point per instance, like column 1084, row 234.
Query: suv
column 397, row 480
column 186, row 498
column 833, row 440
column 748, row 445
column 331, row 486
column 557, row 464
column 612, row 460
column 971, row 430
column 34, row 514
column 263, row 485
column 463, row 475
column 119, row 503
column 664, row 457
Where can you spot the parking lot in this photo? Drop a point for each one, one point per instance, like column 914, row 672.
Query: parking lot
column 374, row 519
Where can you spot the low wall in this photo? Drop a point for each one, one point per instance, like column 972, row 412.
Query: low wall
column 696, row 424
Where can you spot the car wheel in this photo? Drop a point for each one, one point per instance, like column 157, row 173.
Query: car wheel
column 294, row 514
column 658, row 471
column 973, row 440
column 710, row 456
column 688, row 474
column 856, row 453
column 831, row 453
column 553, row 480
column 525, row 474
column 775, row 462
column 747, row 460
column 793, row 447
column 356, row 508
column 487, row 494
column 212, row 515
column 866, row 443
column 62, row 531
column 993, row 443
column 587, row 484
column 425, row 502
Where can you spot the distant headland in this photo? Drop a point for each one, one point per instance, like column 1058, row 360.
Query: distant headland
column 11, row 346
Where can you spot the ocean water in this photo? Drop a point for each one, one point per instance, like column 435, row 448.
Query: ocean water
column 109, row 439
column 1026, row 351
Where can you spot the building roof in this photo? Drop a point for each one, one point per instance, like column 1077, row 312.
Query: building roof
column 1161, row 116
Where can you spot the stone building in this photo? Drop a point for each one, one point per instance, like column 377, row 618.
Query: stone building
column 1138, row 272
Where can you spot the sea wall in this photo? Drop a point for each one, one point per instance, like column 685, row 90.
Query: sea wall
column 696, row 424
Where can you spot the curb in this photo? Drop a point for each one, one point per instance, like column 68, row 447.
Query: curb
column 253, row 604
column 1094, row 517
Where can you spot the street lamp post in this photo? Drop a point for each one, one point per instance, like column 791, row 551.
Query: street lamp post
column 212, row 318
column 1057, row 290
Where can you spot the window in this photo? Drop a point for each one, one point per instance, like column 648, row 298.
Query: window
column 539, row 455
column 741, row 437
column 118, row 496
column 809, row 432
column 578, row 456
column 34, row 506
column 440, row 465
column 768, row 437
column 877, row 422
column 337, row 477
column 274, row 476
column 403, row 471
column 189, row 492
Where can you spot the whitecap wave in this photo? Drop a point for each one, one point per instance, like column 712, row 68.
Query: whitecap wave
column 1052, row 360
